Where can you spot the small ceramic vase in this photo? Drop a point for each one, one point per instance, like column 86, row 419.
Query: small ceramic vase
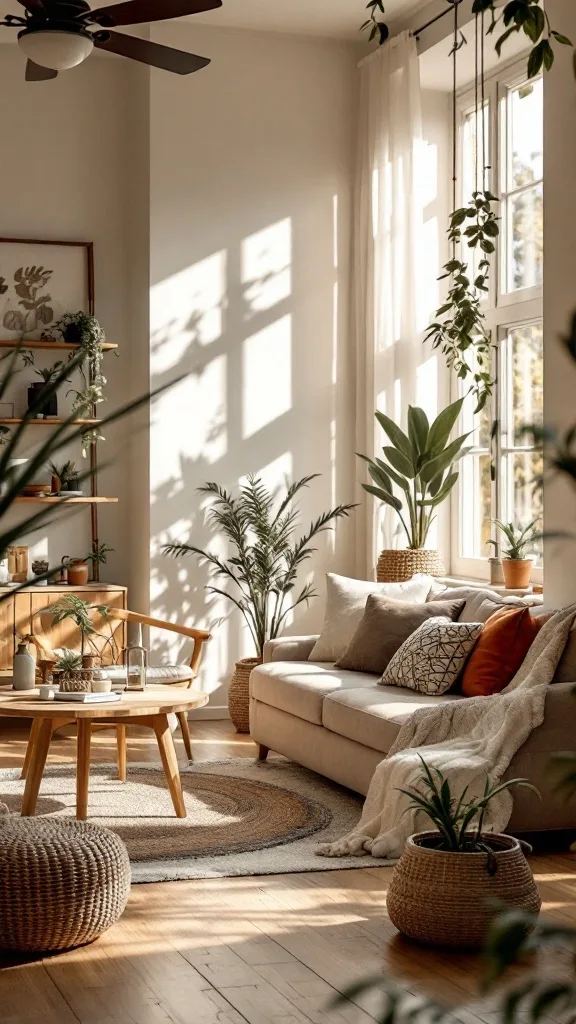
column 23, row 669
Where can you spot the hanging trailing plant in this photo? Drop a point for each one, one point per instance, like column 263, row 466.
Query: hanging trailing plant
column 529, row 17
column 463, row 332
column 373, row 25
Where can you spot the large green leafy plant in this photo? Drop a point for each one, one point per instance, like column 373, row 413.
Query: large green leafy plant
column 417, row 472
column 264, row 568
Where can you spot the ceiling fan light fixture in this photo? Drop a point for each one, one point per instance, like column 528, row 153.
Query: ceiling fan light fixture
column 58, row 49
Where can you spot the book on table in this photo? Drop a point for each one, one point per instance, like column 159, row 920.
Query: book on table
column 88, row 698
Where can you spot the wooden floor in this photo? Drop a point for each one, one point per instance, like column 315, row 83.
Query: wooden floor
column 269, row 950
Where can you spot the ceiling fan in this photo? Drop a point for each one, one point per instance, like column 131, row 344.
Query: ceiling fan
column 59, row 34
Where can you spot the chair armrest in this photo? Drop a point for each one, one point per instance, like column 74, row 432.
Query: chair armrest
column 199, row 636
column 289, row 648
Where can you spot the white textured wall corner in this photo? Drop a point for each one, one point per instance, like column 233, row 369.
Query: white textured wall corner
column 251, row 179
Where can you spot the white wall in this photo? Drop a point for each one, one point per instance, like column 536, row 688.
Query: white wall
column 251, row 173
column 64, row 175
column 559, row 296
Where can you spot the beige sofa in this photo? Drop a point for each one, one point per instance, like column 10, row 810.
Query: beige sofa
column 341, row 724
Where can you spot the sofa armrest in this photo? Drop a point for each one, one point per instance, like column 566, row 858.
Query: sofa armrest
column 289, row 648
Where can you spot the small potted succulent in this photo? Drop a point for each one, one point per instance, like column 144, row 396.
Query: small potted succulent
column 516, row 567
column 445, row 885
column 64, row 477
column 50, row 406
column 69, row 674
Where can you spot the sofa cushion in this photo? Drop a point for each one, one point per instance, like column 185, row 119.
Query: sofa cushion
column 299, row 687
column 345, row 603
column 374, row 715
column 480, row 604
column 506, row 639
column 431, row 660
column 384, row 627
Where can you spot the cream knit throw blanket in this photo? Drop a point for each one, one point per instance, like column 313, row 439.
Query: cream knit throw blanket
column 467, row 740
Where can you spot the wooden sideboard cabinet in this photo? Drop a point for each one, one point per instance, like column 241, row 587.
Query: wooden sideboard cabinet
column 18, row 610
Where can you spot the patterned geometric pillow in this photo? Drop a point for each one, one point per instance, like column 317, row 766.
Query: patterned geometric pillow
column 432, row 658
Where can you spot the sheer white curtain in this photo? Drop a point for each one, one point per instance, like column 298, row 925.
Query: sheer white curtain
column 387, row 258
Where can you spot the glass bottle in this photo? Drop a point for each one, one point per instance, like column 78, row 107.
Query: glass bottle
column 136, row 661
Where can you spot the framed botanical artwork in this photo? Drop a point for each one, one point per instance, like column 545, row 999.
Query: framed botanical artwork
column 40, row 281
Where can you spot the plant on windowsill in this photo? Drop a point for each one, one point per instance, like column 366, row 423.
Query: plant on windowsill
column 264, row 568
column 442, row 885
column 516, row 567
column 416, row 475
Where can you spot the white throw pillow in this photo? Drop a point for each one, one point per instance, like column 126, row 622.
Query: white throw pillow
column 431, row 660
column 345, row 606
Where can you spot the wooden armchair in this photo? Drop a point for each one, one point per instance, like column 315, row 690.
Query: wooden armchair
column 183, row 676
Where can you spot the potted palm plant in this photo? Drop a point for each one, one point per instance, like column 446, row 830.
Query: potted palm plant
column 444, row 885
column 415, row 476
column 516, row 567
column 263, row 570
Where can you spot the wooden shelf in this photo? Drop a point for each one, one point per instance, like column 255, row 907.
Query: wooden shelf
column 107, row 346
column 52, row 421
column 68, row 501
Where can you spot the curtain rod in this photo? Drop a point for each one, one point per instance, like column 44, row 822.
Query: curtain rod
column 453, row 4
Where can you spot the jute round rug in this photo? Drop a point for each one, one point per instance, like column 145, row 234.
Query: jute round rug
column 244, row 817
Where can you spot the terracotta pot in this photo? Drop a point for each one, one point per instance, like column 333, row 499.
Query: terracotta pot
column 239, row 693
column 77, row 573
column 517, row 573
column 398, row 566
column 443, row 899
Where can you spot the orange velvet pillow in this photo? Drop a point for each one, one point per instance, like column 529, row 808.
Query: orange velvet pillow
column 500, row 651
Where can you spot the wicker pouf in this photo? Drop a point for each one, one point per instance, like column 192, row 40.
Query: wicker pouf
column 62, row 883
column 398, row 566
column 239, row 693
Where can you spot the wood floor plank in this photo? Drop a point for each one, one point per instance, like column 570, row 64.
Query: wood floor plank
column 269, row 950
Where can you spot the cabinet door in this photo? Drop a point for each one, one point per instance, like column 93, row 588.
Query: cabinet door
column 6, row 634
column 64, row 634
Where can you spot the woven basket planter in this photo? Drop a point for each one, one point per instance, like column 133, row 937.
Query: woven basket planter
column 62, row 883
column 398, row 566
column 78, row 680
column 442, row 899
column 239, row 693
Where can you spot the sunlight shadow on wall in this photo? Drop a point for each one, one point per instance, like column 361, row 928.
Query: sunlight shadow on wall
column 267, row 376
column 192, row 304
column 267, row 267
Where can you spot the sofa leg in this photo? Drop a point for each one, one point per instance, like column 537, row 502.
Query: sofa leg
column 263, row 752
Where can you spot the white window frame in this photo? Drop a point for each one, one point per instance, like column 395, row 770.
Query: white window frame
column 502, row 310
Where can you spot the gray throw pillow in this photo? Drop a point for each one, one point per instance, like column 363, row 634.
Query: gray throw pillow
column 386, row 624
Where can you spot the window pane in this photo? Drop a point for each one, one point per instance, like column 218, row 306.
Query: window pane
column 477, row 424
column 525, row 114
column 471, row 162
column 526, row 369
column 524, row 492
column 475, row 505
column 525, row 239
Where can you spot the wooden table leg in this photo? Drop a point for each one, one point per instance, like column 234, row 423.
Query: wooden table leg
column 83, row 767
column 183, row 720
column 34, row 731
column 35, row 768
column 169, row 762
column 121, row 745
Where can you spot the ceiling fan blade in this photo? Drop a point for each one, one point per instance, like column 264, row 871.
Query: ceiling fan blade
column 35, row 6
column 137, row 12
column 36, row 73
column 154, row 54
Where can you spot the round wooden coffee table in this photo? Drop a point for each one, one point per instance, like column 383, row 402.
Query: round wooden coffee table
column 150, row 708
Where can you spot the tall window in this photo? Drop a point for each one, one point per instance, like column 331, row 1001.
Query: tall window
column 499, row 477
